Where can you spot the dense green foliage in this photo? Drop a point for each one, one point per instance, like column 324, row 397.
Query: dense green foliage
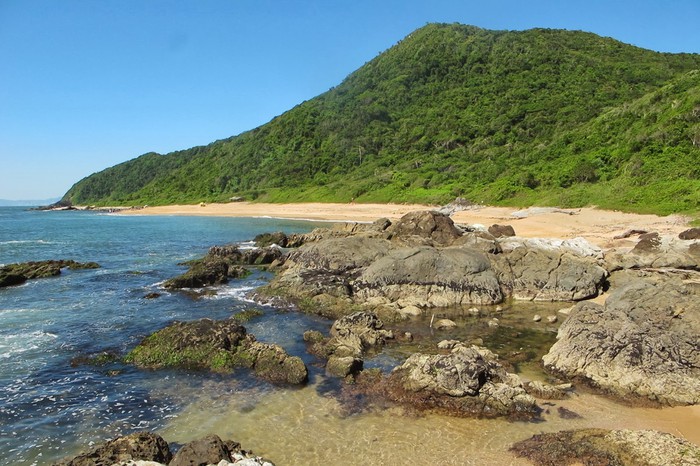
column 531, row 117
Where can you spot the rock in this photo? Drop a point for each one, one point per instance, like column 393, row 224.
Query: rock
column 493, row 322
column 273, row 364
column 141, row 446
column 608, row 447
column 536, row 318
column 439, row 277
column 567, row 413
column 552, row 319
column 500, row 231
column 356, row 333
column 655, row 252
column 448, row 344
column 344, row 366
column 540, row 270
column 642, row 343
column 313, row 336
column 434, row 227
column 208, row 450
column 411, row 311
column 16, row 274
column 546, row 391
column 691, row 233
column 468, row 381
column 268, row 239
column 444, row 324
column 218, row 346
column 458, row 205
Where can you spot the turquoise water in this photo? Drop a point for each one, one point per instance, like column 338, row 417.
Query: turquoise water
column 50, row 403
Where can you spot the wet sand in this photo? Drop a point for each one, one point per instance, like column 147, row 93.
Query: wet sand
column 600, row 227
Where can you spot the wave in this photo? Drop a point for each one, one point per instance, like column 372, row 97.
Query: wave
column 27, row 241
column 18, row 343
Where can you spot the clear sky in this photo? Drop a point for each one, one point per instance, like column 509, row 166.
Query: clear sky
column 87, row 84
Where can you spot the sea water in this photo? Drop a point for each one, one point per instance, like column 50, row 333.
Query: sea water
column 53, row 404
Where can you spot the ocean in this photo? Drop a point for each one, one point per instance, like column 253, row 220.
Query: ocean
column 51, row 402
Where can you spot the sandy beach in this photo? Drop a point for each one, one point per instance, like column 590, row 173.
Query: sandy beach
column 600, row 227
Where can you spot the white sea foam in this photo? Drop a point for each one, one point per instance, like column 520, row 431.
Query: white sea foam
column 18, row 343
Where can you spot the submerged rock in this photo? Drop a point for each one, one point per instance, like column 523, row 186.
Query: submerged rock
column 218, row 346
column 608, row 447
column 644, row 342
column 16, row 274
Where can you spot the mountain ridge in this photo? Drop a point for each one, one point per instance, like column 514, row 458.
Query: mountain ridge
column 503, row 117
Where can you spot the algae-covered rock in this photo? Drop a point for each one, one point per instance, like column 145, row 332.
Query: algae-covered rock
column 218, row 346
column 608, row 447
column 16, row 274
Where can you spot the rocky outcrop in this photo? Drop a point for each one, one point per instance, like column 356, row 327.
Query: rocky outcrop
column 644, row 342
column 608, row 447
column 145, row 448
column 468, row 380
column 690, row 233
column 425, row 261
column 16, row 274
column 550, row 270
column 218, row 346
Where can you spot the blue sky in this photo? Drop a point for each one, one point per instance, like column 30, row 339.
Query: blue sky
column 87, row 84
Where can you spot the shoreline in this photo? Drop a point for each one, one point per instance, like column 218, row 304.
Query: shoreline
column 600, row 227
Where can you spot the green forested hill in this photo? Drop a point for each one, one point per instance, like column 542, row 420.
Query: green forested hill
column 533, row 117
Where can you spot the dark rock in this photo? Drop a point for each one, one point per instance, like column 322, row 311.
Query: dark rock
column 644, row 342
column 500, row 231
column 607, row 447
column 437, row 228
column 153, row 295
column 691, row 233
column 16, row 274
column 268, row 239
column 567, row 413
column 208, row 450
column 648, row 242
column 143, row 446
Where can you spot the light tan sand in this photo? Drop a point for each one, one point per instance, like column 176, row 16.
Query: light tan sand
column 598, row 226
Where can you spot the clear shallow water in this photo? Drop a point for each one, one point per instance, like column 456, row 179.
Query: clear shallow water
column 50, row 408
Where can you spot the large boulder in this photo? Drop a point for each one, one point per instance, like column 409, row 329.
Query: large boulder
column 16, row 274
column 141, row 446
column 425, row 227
column 218, row 346
column 467, row 381
column 608, row 447
column 436, row 277
column 644, row 342
column 550, row 270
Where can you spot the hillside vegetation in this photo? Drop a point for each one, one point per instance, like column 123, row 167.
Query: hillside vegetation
column 545, row 117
